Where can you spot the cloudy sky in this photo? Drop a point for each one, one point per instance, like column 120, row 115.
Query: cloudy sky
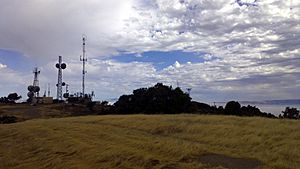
column 222, row 49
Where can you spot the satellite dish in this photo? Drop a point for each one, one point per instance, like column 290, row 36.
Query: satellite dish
column 66, row 95
column 30, row 88
column 57, row 65
column 63, row 84
column 30, row 94
column 36, row 88
column 63, row 65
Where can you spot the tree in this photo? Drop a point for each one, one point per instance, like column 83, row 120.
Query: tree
column 13, row 97
column 291, row 113
column 233, row 108
column 158, row 99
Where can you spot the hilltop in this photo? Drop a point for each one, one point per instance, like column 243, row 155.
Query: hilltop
column 26, row 111
column 151, row 141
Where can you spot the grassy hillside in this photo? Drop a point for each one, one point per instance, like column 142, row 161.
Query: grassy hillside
column 140, row 141
column 26, row 111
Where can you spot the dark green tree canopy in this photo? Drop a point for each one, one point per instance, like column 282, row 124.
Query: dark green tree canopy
column 233, row 108
column 291, row 113
column 13, row 97
column 157, row 99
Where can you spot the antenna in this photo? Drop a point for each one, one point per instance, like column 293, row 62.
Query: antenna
column 67, row 88
column 48, row 89
column 45, row 91
column 34, row 89
column 36, row 72
column 66, row 95
column 83, row 59
column 60, row 66
column 189, row 90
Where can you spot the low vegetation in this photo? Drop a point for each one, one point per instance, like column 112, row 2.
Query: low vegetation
column 161, row 99
column 11, row 98
column 7, row 119
column 26, row 111
column 151, row 141
column 290, row 113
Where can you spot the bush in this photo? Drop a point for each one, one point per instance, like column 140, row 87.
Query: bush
column 233, row 108
column 291, row 113
column 7, row 119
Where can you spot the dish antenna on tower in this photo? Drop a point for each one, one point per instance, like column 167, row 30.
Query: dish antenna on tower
column 34, row 89
column 60, row 66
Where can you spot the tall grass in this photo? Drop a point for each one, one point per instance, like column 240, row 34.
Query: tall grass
column 148, row 141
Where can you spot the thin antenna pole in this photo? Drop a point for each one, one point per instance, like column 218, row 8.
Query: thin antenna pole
column 45, row 92
column 83, row 59
column 48, row 89
column 67, row 88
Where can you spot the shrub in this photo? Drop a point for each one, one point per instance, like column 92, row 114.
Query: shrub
column 233, row 108
column 291, row 113
column 7, row 119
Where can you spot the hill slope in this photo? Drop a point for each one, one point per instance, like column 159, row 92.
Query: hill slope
column 27, row 112
column 140, row 141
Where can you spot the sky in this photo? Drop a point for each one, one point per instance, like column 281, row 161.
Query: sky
column 222, row 49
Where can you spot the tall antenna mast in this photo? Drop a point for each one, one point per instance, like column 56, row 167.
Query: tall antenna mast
column 60, row 66
column 83, row 59
column 34, row 89
column 36, row 72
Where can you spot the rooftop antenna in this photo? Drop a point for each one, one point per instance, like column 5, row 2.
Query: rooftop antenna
column 60, row 66
column 83, row 59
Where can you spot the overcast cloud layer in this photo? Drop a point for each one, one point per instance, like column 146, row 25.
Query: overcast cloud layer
column 251, row 51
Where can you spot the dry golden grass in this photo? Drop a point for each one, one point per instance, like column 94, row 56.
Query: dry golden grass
column 147, row 141
column 26, row 111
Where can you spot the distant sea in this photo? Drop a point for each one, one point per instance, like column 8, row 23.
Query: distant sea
column 269, row 106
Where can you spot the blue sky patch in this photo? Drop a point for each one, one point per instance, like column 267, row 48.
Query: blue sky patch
column 15, row 60
column 161, row 60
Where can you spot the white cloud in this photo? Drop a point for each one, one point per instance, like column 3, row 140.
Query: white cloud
column 46, row 29
column 244, row 44
column 11, row 81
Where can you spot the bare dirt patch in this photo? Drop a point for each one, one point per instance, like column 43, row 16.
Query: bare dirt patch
column 225, row 161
